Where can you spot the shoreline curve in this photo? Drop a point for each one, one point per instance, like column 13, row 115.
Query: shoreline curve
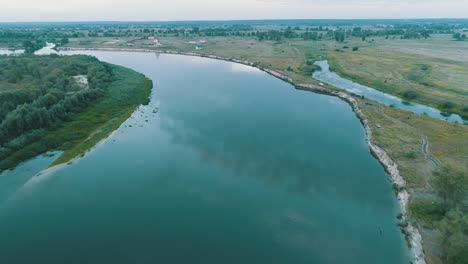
column 411, row 232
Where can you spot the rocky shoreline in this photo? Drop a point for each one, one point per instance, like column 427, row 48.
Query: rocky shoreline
column 412, row 234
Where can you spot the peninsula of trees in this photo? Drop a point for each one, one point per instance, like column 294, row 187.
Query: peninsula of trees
column 63, row 103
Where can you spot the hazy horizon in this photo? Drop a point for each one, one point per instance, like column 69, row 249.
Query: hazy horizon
column 228, row 20
column 210, row 10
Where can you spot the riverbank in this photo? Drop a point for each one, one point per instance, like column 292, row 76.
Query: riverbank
column 411, row 232
column 72, row 122
column 331, row 78
column 125, row 94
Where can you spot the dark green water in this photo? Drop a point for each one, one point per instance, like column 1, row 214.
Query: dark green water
column 235, row 167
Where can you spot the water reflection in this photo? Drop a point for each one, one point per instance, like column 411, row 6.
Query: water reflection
column 250, row 135
column 233, row 168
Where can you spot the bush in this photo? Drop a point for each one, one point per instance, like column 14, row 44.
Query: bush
column 310, row 69
column 410, row 155
column 355, row 48
column 399, row 216
column 410, row 95
column 447, row 105
column 427, row 212
column 396, row 188
column 425, row 67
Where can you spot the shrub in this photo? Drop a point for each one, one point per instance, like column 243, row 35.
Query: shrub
column 396, row 188
column 355, row 48
column 410, row 95
column 410, row 155
column 425, row 67
column 427, row 212
column 310, row 69
column 447, row 105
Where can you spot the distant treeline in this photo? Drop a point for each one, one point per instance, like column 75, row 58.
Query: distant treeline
column 33, row 39
column 307, row 33
column 32, row 36
column 40, row 93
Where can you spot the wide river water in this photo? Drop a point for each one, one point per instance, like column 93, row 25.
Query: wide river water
column 226, row 165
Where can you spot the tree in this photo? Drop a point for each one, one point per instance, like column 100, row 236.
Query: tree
column 453, row 236
column 425, row 34
column 450, row 184
column 459, row 36
column 288, row 33
column 64, row 41
column 195, row 30
column 339, row 35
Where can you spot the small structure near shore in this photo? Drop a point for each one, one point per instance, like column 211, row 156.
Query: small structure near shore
column 155, row 40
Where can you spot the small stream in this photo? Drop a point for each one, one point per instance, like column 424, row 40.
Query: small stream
column 326, row 76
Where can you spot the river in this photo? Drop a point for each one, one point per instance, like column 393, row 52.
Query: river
column 329, row 77
column 225, row 165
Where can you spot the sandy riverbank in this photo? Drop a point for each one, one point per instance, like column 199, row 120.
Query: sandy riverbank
column 411, row 232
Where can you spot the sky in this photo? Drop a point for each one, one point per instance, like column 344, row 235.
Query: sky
column 180, row 10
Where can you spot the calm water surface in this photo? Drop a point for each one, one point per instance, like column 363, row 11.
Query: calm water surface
column 226, row 165
column 325, row 75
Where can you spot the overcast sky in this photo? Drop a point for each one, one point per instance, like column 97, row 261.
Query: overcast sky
column 167, row 10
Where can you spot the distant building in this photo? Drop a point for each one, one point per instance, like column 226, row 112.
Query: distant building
column 203, row 41
column 157, row 42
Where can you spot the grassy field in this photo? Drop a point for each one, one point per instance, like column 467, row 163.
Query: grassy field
column 405, row 136
column 431, row 72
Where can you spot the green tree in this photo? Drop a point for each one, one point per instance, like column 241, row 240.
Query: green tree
column 451, row 184
column 453, row 236
column 425, row 34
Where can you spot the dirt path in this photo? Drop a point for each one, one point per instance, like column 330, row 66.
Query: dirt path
column 425, row 141
column 427, row 154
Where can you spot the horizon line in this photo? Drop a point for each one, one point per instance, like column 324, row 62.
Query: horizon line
column 230, row 20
